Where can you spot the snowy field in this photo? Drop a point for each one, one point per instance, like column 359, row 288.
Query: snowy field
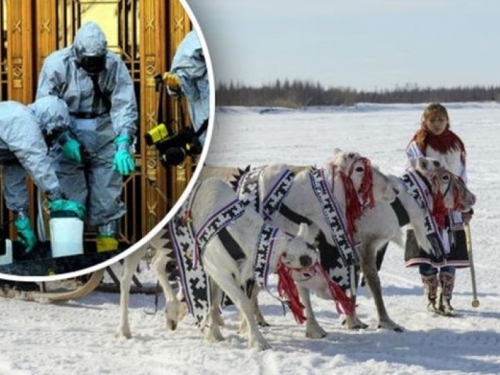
column 78, row 337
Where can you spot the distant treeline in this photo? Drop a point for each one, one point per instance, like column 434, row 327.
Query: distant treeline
column 298, row 94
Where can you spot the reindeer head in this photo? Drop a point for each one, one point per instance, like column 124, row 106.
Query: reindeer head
column 366, row 179
column 455, row 195
column 299, row 256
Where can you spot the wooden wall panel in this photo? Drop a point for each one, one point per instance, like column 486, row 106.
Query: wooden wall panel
column 35, row 28
column 20, row 50
column 179, row 26
column 153, row 40
column 46, row 31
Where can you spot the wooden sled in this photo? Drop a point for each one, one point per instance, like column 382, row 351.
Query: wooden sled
column 91, row 284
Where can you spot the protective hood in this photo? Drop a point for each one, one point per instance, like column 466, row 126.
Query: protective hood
column 90, row 41
column 52, row 114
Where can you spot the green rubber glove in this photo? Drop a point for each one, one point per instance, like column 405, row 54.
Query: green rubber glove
column 25, row 233
column 71, row 150
column 123, row 161
column 66, row 205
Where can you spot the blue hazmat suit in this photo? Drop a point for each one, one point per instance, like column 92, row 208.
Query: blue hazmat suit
column 189, row 65
column 23, row 148
column 99, row 92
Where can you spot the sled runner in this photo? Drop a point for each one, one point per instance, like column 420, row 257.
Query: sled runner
column 40, row 262
column 89, row 286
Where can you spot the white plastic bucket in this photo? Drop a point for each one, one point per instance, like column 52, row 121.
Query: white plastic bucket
column 66, row 236
column 7, row 257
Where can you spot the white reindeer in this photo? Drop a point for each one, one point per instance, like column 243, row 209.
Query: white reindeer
column 375, row 227
column 225, row 272
column 162, row 253
column 380, row 225
column 301, row 205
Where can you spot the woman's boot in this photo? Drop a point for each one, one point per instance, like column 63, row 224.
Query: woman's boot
column 446, row 281
column 430, row 290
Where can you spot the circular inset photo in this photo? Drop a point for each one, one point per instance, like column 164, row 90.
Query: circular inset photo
column 104, row 125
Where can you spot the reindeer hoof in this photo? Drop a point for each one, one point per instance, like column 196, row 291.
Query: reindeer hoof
column 171, row 325
column 390, row 325
column 315, row 332
column 356, row 325
column 260, row 345
column 123, row 334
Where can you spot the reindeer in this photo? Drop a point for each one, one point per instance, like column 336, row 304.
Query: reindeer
column 227, row 256
column 382, row 224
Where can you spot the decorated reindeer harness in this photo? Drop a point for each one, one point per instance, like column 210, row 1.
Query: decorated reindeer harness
column 419, row 188
column 189, row 245
column 247, row 187
column 337, row 260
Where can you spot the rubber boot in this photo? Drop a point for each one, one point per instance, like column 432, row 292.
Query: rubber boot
column 106, row 243
column 430, row 290
column 447, row 282
column 106, row 237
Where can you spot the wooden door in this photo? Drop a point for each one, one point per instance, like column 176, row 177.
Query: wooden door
column 145, row 34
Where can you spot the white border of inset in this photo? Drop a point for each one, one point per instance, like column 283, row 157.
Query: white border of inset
column 144, row 240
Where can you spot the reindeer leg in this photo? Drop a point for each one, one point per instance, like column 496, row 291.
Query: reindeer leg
column 213, row 332
column 254, row 297
column 229, row 285
column 369, row 268
column 129, row 266
column 172, row 304
column 353, row 321
column 313, row 329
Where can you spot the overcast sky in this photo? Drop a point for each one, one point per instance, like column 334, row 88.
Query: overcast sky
column 363, row 44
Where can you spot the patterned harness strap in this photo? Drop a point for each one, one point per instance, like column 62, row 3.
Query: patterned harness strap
column 248, row 189
column 334, row 216
column 267, row 206
column 340, row 270
column 188, row 247
column 265, row 250
column 279, row 190
column 218, row 220
column 418, row 189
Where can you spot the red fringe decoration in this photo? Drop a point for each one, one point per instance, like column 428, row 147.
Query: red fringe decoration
column 338, row 295
column 439, row 211
column 353, row 207
column 366, row 188
column 356, row 202
column 457, row 202
column 288, row 289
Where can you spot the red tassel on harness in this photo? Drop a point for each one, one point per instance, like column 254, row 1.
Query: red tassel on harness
column 439, row 211
column 287, row 288
column 366, row 189
column 457, row 202
column 353, row 207
column 357, row 201
column 338, row 295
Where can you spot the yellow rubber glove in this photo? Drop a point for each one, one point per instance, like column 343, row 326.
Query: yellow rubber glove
column 171, row 80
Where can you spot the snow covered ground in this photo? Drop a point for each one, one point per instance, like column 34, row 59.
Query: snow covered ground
column 78, row 337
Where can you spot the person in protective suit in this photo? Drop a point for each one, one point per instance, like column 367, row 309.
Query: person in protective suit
column 24, row 131
column 99, row 92
column 188, row 77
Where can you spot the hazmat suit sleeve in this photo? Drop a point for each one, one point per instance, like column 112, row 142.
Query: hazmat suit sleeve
column 190, row 66
column 51, row 80
column 26, row 142
column 15, row 189
column 123, row 103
